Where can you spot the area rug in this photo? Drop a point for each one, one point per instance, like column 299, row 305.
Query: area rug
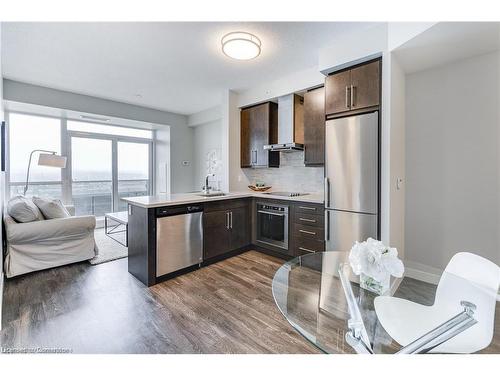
column 109, row 249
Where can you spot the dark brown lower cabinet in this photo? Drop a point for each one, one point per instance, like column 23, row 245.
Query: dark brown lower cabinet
column 216, row 235
column 307, row 229
column 239, row 227
column 226, row 227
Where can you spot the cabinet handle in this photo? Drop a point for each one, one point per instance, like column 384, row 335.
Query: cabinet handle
column 227, row 220
column 327, row 191
column 231, row 219
column 308, row 220
column 269, row 213
column 327, row 232
column 254, row 156
column 347, row 97
column 352, row 96
column 304, row 249
column 307, row 208
column 307, row 232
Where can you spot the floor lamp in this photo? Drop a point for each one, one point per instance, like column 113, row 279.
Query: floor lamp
column 47, row 159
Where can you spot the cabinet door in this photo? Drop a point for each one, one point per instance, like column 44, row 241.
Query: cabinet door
column 337, row 92
column 240, row 233
column 216, row 234
column 365, row 81
column 259, row 134
column 246, row 152
column 314, row 127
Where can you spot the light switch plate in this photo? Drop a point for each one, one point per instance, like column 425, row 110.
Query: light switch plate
column 399, row 183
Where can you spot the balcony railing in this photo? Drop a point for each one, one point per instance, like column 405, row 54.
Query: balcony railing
column 89, row 197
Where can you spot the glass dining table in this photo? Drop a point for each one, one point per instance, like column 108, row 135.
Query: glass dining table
column 309, row 293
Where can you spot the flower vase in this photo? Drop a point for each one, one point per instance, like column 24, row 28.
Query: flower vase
column 375, row 286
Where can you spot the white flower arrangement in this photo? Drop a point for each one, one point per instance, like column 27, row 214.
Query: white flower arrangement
column 375, row 260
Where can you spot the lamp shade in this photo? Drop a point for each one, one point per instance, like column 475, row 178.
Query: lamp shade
column 52, row 160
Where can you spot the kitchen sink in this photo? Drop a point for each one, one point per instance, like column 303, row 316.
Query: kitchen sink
column 212, row 194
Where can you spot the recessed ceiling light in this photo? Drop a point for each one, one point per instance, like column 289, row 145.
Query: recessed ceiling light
column 138, row 95
column 240, row 45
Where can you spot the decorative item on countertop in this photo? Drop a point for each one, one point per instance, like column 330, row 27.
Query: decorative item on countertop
column 259, row 186
column 375, row 262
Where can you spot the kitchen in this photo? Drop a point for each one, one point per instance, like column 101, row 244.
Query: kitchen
column 170, row 234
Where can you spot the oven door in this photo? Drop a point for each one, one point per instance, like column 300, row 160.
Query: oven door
column 272, row 227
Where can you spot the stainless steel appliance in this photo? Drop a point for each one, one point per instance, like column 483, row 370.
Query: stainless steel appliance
column 179, row 238
column 351, row 180
column 290, row 124
column 272, row 224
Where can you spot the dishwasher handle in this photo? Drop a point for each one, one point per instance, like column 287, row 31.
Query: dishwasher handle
column 178, row 210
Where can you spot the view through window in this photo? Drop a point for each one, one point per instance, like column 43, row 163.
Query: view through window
column 105, row 163
column 28, row 133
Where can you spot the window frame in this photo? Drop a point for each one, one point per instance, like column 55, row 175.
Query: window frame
column 65, row 147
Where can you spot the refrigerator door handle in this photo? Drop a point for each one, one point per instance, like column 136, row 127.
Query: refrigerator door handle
column 327, row 222
column 327, row 192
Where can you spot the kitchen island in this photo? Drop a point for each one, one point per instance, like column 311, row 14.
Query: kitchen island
column 170, row 234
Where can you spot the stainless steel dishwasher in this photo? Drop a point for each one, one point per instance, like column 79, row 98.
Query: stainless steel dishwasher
column 179, row 238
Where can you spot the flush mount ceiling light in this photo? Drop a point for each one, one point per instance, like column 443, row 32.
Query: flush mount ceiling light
column 241, row 46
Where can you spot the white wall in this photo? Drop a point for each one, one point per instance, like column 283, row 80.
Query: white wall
column 397, row 155
column 452, row 162
column 207, row 138
column 162, row 161
column 234, row 176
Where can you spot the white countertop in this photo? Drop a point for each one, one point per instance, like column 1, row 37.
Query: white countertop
column 161, row 200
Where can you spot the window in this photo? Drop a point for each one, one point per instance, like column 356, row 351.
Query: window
column 28, row 133
column 105, row 163
column 133, row 171
column 90, row 127
column 91, row 176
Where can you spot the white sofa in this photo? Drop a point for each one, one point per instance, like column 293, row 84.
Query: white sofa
column 38, row 245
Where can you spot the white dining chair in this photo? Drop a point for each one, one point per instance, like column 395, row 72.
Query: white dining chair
column 467, row 277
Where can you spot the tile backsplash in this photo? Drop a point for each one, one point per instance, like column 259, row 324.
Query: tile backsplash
column 292, row 175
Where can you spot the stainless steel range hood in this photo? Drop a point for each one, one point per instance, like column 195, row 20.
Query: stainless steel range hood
column 290, row 124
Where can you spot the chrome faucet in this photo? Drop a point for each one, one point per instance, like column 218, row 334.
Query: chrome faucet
column 206, row 188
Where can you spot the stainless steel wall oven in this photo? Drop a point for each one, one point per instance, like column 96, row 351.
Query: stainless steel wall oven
column 272, row 224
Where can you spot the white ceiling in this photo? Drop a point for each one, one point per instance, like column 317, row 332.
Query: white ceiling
column 178, row 67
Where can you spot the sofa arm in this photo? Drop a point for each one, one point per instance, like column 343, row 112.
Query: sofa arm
column 49, row 229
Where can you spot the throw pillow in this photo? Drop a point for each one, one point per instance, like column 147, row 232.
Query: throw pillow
column 23, row 210
column 51, row 208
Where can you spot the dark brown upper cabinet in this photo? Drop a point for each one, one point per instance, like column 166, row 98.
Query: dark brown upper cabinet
column 353, row 89
column 259, row 127
column 314, row 127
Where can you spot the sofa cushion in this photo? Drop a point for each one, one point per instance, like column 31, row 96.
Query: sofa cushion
column 23, row 210
column 51, row 208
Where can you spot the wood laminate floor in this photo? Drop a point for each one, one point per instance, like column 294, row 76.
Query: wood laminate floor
column 227, row 307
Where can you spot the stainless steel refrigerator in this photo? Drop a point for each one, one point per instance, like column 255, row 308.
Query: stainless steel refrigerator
column 351, row 180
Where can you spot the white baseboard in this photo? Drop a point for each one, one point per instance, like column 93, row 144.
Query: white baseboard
column 422, row 275
column 422, row 272
column 425, row 273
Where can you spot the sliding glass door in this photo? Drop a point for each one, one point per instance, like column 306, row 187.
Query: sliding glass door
column 133, row 171
column 106, row 168
column 92, row 175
